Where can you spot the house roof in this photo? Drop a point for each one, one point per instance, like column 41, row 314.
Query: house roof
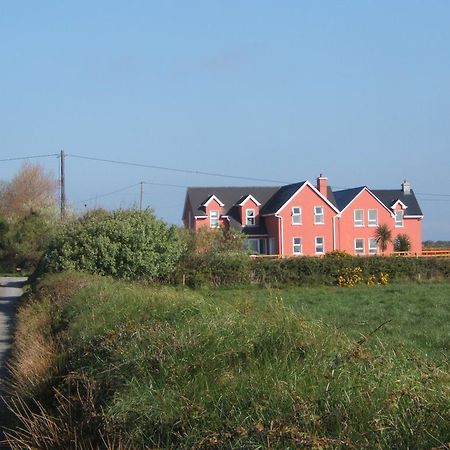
column 344, row 197
column 283, row 194
column 231, row 196
column 387, row 196
column 391, row 196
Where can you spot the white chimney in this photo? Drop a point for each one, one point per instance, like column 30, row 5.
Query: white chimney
column 406, row 187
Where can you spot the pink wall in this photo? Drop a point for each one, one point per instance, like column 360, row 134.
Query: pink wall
column 307, row 199
column 413, row 228
column 347, row 229
column 272, row 226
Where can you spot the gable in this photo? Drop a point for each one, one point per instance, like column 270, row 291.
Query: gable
column 287, row 193
column 350, row 196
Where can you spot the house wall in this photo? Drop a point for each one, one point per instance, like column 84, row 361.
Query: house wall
column 347, row 230
column 273, row 230
column 413, row 228
column 307, row 199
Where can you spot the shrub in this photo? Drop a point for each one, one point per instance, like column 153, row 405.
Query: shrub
column 127, row 244
column 402, row 243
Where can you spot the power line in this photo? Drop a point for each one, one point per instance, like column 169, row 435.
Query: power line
column 172, row 169
column 434, row 195
column 110, row 193
column 165, row 184
column 28, row 157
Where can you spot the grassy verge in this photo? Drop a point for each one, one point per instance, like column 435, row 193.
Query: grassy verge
column 137, row 367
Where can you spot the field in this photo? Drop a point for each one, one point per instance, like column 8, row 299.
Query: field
column 159, row 367
column 411, row 315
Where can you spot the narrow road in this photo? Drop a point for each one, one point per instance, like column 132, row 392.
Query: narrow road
column 10, row 293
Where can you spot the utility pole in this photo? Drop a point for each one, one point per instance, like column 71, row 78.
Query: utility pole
column 142, row 196
column 63, row 185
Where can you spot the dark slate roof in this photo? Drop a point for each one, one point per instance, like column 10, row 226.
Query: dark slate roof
column 344, row 197
column 390, row 196
column 230, row 196
column 330, row 196
column 281, row 197
column 387, row 196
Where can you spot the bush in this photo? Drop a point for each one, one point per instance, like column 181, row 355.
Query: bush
column 127, row 244
column 23, row 241
column 402, row 243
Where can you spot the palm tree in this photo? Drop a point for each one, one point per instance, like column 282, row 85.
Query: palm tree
column 383, row 236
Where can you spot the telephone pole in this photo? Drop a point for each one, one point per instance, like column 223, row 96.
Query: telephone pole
column 141, row 196
column 63, row 185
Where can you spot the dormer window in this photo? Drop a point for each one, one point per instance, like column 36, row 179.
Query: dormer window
column 214, row 219
column 399, row 219
column 250, row 217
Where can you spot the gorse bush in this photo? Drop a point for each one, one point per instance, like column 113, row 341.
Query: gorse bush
column 127, row 244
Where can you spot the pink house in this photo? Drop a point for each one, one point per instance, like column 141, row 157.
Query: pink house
column 306, row 219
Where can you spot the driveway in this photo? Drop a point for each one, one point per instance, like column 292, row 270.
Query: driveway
column 10, row 293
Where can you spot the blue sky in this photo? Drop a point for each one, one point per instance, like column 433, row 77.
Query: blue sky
column 358, row 90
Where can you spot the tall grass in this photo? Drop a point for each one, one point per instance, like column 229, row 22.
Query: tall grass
column 173, row 368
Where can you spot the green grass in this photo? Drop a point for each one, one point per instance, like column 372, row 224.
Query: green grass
column 245, row 368
column 418, row 315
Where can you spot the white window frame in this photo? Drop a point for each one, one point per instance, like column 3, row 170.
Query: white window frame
column 252, row 216
column 372, row 222
column 399, row 223
column 318, row 216
column 358, row 222
column 373, row 250
column 296, row 215
column 297, row 243
column 359, row 250
column 320, row 252
column 214, row 219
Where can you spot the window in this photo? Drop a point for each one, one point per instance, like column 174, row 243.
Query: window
column 296, row 215
column 257, row 246
column 320, row 245
column 359, row 217
column 372, row 218
column 318, row 215
column 297, row 246
column 373, row 246
column 398, row 218
column 214, row 219
column 359, row 246
column 250, row 217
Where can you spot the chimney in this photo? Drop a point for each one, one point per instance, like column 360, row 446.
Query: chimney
column 406, row 187
column 322, row 183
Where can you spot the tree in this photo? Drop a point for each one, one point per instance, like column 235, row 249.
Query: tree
column 32, row 189
column 402, row 243
column 383, row 236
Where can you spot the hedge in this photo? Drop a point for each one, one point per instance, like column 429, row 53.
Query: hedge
column 238, row 269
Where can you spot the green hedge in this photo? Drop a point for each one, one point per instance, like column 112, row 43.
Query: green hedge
column 236, row 269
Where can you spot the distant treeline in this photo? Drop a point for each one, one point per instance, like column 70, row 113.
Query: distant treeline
column 436, row 244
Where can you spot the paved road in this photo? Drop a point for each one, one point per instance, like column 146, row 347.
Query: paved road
column 10, row 293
